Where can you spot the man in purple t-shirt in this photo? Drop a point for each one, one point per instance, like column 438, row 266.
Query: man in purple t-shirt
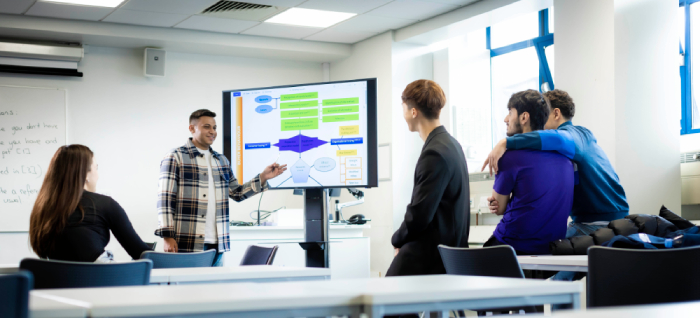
column 534, row 189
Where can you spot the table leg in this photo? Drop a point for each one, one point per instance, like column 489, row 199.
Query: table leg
column 576, row 303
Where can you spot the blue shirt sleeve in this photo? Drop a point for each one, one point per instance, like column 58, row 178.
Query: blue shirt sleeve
column 557, row 140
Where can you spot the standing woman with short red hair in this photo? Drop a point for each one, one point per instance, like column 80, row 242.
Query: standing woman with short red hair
column 439, row 208
column 69, row 221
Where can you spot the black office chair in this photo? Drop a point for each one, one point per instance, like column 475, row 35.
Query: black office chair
column 496, row 261
column 151, row 246
column 61, row 274
column 175, row 260
column 259, row 255
column 620, row 277
column 14, row 294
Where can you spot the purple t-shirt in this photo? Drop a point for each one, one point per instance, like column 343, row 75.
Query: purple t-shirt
column 542, row 184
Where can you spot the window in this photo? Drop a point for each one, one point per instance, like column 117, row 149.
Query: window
column 487, row 67
column 688, row 13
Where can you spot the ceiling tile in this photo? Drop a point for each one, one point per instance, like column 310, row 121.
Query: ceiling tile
column 188, row 7
column 454, row 2
column 370, row 23
column 198, row 22
column 277, row 3
column 145, row 18
column 354, row 6
column 15, row 6
column 333, row 35
column 281, row 30
column 411, row 9
column 66, row 11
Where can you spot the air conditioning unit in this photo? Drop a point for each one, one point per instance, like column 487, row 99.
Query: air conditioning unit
column 690, row 178
column 41, row 59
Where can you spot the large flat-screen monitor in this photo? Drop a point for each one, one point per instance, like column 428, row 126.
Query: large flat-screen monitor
column 326, row 133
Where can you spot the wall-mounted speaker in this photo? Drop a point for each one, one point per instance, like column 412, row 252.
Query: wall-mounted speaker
column 154, row 62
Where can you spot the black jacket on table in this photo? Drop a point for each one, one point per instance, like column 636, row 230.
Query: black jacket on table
column 439, row 208
column 85, row 237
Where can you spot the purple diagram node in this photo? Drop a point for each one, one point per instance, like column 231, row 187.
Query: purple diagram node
column 299, row 143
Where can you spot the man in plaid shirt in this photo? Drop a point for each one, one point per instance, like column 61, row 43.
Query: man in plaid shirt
column 194, row 186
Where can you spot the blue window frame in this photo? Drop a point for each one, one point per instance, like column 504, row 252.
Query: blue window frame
column 544, row 40
column 688, row 104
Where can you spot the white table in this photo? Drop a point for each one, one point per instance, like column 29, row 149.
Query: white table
column 410, row 294
column 373, row 296
column 40, row 307
column 688, row 309
column 238, row 274
column 568, row 263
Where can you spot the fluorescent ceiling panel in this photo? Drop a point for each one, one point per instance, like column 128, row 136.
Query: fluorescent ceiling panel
column 94, row 3
column 310, row 17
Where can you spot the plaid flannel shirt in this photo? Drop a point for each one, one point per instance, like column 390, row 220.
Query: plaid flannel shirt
column 182, row 196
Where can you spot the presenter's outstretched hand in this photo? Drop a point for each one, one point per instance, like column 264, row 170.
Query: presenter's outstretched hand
column 170, row 245
column 272, row 171
column 494, row 156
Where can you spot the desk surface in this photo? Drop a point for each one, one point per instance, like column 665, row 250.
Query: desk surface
column 689, row 309
column 8, row 268
column 243, row 297
column 573, row 263
column 211, row 274
column 48, row 307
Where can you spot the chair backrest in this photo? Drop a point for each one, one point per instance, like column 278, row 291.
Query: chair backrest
column 259, row 255
column 174, row 260
column 151, row 246
column 14, row 294
column 618, row 277
column 497, row 261
column 61, row 274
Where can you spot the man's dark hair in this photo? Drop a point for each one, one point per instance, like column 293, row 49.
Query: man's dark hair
column 533, row 103
column 201, row 113
column 425, row 95
column 561, row 99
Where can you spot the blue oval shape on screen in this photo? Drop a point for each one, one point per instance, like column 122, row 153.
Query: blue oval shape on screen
column 324, row 164
column 263, row 109
column 263, row 99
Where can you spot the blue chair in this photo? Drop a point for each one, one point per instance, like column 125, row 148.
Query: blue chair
column 61, row 274
column 175, row 260
column 259, row 255
column 622, row 277
column 14, row 294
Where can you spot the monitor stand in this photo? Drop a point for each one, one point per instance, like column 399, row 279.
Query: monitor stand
column 316, row 202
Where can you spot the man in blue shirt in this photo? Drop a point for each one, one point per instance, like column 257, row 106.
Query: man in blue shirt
column 534, row 189
column 598, row 195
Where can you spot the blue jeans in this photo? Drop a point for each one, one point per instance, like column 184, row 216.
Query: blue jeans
column 218, row 257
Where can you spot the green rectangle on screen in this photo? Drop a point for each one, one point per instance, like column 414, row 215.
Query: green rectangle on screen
column 299, row 96
column 300, row 124
column 333, row 119
column 307, row 103
column 341, row 101
column 341, row 110
column 300, row 113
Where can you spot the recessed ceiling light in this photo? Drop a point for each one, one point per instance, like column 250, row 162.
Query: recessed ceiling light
column 310, row 17
column 94, row 3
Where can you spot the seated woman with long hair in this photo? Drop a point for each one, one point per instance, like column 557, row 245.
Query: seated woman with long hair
column 71, row 222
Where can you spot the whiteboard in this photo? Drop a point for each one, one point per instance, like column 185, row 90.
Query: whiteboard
column 32, row 127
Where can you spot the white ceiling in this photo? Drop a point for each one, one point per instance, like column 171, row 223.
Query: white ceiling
column 373, row 16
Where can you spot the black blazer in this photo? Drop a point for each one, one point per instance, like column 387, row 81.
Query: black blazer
column 439, row 209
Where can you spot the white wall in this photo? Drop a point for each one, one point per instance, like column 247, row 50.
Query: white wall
column 131, row 122
column 584, row 56
column 647, row 103
column 619, row 61
column 372, row 58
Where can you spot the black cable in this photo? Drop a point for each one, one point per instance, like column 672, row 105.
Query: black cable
column 259, row 202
